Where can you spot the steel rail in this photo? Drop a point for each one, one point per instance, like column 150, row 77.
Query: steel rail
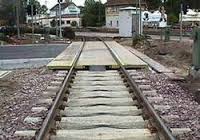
column 159, row 123
column 48, row 122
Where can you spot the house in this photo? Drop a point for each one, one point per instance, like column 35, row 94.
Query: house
column 113, row 7
column 70, row 13
column 154, row 19
column 192, row 17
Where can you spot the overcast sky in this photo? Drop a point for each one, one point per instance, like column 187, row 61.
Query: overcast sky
column 51, row 3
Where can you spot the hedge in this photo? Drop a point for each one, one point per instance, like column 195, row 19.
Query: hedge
column 67, row 31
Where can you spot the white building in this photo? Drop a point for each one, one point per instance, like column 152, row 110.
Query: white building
column 151, row 19
column 191, row 17
column 113, row 7
column 69, row 11
column 128, row 22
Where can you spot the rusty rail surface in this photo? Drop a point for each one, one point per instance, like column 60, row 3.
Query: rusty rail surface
column 49, row 120
column 160, row 125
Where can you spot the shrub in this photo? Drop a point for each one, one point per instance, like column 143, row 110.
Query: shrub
column 172, row 18
column 74, row 24
column 68, row 33
column 53, row 23
column 2, row 36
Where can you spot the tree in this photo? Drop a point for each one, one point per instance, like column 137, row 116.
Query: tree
column 153, row 4
column 100, row 13
column 74, row 24
column 7, row 11
column 43, row 10
column 53, row 23
column 91, row 13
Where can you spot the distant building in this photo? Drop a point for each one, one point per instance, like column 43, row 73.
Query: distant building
column 113, row 7
column 69, row 11
column 154, row 19
column 191, row 17
column 128, row 22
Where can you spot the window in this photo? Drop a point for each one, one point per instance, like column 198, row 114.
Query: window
column 68, row 22
column 111, row 23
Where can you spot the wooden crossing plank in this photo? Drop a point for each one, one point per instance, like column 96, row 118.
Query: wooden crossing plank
column 66, row 58
column 155, row 65
column 96, row 54
column 4, row 73
column 152, row 63
column 128, row 59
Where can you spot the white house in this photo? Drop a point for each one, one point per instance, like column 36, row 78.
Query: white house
column 191, row 17
column 129, row 20
column 113, row 8
column 154, row 19
column 69, row 13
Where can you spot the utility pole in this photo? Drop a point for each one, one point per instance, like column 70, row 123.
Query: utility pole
column 140, row 19
column 60, row 18
column 99, row 13
column 32, row 23
column 136, row 23
column 17, row 15
column 57, row 9
column 181, row 23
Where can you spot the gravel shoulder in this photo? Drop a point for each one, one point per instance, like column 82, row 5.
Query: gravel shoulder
column 18, row 94
column 182, row 104
column 179, row 95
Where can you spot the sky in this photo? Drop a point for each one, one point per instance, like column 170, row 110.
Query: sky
column 51, row 3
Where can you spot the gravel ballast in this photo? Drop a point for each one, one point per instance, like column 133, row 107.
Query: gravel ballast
column 18, row 94
column 182, row 104
column 21, row 89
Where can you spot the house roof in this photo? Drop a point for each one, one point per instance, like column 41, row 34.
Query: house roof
column 63, row 6
column 123, row 2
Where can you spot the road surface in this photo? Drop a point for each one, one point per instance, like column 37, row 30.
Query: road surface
column 30, row 51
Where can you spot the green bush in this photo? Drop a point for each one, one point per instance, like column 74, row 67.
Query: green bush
column 74, row 24
column 68, row 33
column 2, row 36
column 172, row 18
column 52, row 31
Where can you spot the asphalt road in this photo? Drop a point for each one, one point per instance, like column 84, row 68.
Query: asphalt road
column 30, row 51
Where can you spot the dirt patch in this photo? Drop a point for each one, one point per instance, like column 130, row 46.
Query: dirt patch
column 8, row 85
column 18, row 94
column 184, row 96
column 174, row 54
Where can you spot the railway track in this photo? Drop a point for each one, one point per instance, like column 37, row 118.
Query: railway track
column 100, row 104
